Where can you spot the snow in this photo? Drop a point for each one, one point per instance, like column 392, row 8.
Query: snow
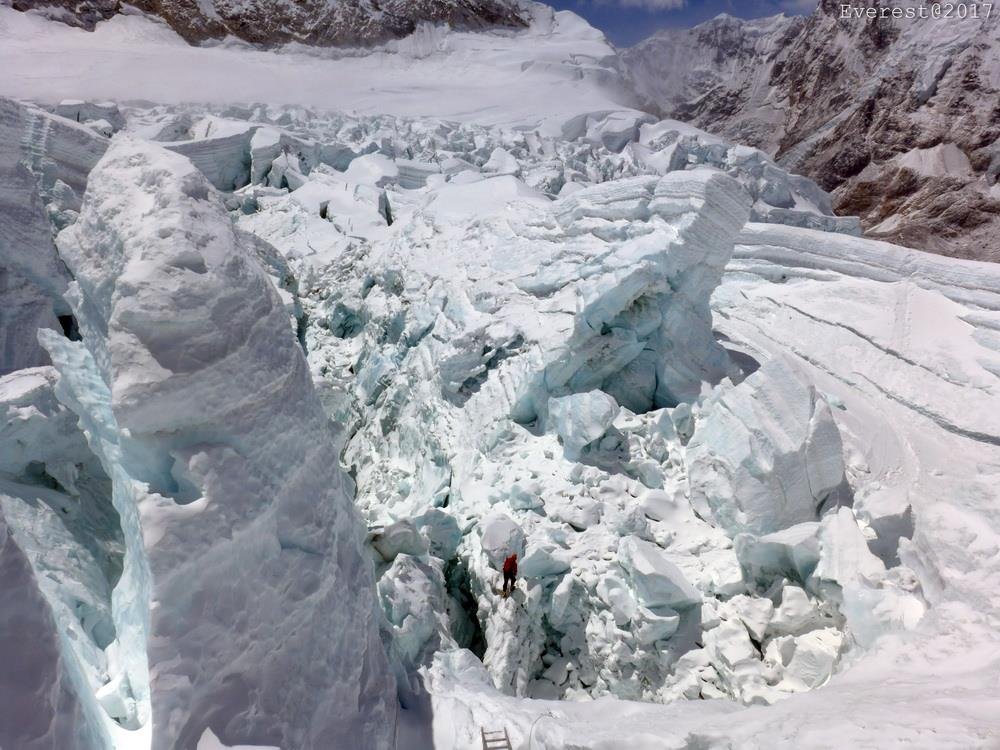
column 559, row 68
column 208, row 481
column 767, row 454
column 942, row 160
column 748, row 466
column 657, row 581
column 581, row 418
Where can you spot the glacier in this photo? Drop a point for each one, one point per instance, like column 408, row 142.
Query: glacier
column 282, row 385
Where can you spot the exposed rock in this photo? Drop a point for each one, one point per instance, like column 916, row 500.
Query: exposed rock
column 856, row 114
column 326, row 23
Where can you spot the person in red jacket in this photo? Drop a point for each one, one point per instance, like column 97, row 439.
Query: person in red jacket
column 509, row 574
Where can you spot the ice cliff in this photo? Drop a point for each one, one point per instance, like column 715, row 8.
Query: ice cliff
column 245, row 604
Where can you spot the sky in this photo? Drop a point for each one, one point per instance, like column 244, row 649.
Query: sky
column 626, row 22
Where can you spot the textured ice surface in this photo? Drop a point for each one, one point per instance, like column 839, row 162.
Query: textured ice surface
column 766, row 454
column 196, row 398
column 448, row 335
column 44, row 161
column 793, row 490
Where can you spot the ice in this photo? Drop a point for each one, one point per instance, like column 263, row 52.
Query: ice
column 767, row 454
column 44, row 161
column 415, row 604
column 501, row 537
column 399, row 538
column 91, row 112
column 181, row 323
column 209, row 741
column 808, row 660
column 543, row 559
column 777, row 474
column 796, row 614
column 42, row 703
column 753, row 612
column 792, row 552
column 223, row 154
column 844, row 554
column 581, row 418
column 658, row 582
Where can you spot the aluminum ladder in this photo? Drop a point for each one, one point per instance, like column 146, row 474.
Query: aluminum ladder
column 497, row 740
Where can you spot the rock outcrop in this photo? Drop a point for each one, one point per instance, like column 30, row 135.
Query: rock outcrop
column 326, row 23
column 896, row 116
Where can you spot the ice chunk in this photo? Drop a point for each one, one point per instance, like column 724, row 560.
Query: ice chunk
column 415, row 604
column 844, row 554
column 45, row 702
column 871, row 612
column 808, row 660
column 501, row 162
column 613, row 591
column 796, row 614
column 656, row 580
column 501, row 537
column 416, row 174
column 376, row 170
column 581, row 418
column 754, row 613
column 441, row 531
column 543, row 559
column 661, row 505
column 399, row 538
column 766, row 453
column 85, row 112
column 655, row 624
column 792, row 552
column 44, row 162
column 222, row 152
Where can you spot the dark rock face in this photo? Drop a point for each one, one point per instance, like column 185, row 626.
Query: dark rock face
column 864, row 107
column 83, row 13
column 314, row 22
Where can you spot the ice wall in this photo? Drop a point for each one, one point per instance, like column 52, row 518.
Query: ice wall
column 40, row 707
column 246, row 605
column 44, row 161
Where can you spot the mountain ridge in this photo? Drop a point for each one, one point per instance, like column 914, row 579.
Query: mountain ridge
column 860, row 107
column 325, row 23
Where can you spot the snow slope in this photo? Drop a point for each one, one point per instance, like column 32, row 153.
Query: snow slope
column 558, row 68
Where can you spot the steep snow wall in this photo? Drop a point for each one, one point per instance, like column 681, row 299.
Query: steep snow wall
column 44, row 161
column 40, row 708
column 246, row 605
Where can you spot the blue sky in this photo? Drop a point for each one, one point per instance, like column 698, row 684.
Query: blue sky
column 625, row 22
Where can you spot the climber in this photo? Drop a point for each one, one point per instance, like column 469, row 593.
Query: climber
column 509, row 574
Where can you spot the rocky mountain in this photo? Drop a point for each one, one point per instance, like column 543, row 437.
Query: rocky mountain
column 315, row 22
column 896, row 116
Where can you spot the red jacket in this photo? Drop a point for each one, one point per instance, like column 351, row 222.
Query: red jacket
column 510, row 565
